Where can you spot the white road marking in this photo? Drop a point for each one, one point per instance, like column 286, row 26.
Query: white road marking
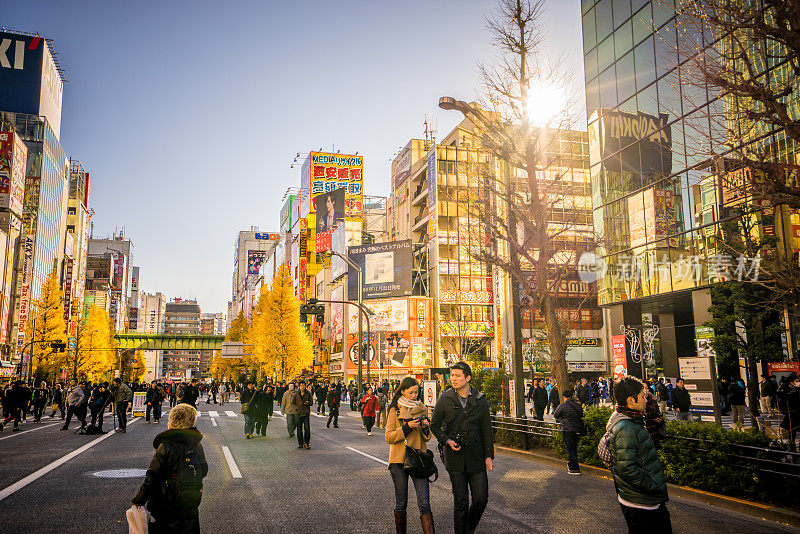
column 235, row 473
column 16, row 486
column 384, row 462
column 213, row 422
column 213, row 414
column 230, row 413
column 15, row 434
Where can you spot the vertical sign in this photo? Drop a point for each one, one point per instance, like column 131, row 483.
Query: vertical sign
column 512, row 398
column 429, row 393
column 619, row 359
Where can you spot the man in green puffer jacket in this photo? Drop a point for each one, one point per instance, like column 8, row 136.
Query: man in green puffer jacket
column 638, row 477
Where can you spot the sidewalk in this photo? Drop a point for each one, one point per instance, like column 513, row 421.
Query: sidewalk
column 751, row 508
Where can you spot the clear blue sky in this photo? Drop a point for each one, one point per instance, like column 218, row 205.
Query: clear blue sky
column 189, row 113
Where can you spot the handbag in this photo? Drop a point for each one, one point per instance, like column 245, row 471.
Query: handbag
column 420, row 464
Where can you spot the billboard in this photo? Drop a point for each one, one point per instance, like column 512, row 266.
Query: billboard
column 401, row 168
column 386, row 269
column 636, row 142
column 287, row 214
column 619, row 358
column 30, row 78
column 255, row 259
column 323, row 172
column 330, row 215
column 390, row 316
column 13, row 156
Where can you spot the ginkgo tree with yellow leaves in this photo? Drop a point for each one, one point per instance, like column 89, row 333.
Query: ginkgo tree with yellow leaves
column 94, row 356
column 46, row 325
column 278, row 339
column 230, row 367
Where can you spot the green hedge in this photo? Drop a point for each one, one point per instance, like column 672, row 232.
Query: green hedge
column 706, row 467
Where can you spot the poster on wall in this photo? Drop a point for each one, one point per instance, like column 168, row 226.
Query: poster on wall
column 330, row 214
column 324, row 172
column 390, row 316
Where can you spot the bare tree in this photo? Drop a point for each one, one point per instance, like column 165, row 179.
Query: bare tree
column 523, row 200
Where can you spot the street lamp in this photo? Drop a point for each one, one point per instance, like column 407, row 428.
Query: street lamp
column 449, row 103
column 351, row 264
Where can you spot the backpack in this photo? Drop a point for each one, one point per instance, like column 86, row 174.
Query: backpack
column 184, row 488
column 605, row 449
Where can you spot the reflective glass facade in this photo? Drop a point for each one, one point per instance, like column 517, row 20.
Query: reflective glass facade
column 45, row 178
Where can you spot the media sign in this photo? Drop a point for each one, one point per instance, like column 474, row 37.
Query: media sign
column 30, row 79
column 386, row 269
column 323, row 173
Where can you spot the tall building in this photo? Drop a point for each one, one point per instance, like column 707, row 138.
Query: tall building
column 151, row 315
column 659, row 200
column 181, row 317
column 251, row 249
column 210, row 324
column 30, row 105
column 120, row 291
column 76, row 245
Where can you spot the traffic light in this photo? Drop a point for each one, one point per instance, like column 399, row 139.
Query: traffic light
column 58, row 347
column 312, row 307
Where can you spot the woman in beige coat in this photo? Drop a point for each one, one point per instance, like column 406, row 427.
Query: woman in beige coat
column 408, row 425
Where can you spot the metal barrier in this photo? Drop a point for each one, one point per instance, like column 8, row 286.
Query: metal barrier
column 763, row 460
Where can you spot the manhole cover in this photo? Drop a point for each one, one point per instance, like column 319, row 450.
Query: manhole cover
column 120, row 473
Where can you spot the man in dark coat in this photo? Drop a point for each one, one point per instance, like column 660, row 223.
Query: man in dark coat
column 321, row 394
column 462, row 425
column 249, row 408
column 12, row 403
column 40, row 397
column 553, row 398
column 570, row 415
column 584, row 392
column 153, row 398
column 539, row 400
column 681, row 402
column 334, row 400
column 191, row 393
column 179, row 459
column 264, row 402
column 301, row 401
column 97, row 404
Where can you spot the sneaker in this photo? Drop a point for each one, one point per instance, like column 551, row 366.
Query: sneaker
column 307, row 446
column 248, row 436
column 147, row 422
column 369, row 433
column 155, row 422
column 335, row 426
column 570, row 472
column 299, row 446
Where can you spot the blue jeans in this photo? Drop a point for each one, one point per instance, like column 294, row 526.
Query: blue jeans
column 571, row 444
column 465, row 516
column 249, row 424
column 421, row 487
column 290, row 424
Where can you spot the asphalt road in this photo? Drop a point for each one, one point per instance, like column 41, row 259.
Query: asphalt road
column 48, row 483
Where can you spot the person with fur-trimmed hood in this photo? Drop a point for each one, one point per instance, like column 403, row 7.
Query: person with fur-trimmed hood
column 173, row 486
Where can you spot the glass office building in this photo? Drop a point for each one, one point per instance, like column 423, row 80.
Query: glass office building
column 45, row 179
column 657, row 192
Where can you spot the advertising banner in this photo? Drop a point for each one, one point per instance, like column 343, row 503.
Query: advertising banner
column 338, row 245
column 386, row 267
column 323, row 172
column 255, row 259
column 337, row 315
column 632, row 142
column 24, row 283
column 619, row 358
column 330, row 215
column 139, row 403
column 119, row 271
column 13, row 156
column 512, row 397
column 390, row 316
column 401, row 168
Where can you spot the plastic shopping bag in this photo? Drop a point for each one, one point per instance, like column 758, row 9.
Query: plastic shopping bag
column 138, row 519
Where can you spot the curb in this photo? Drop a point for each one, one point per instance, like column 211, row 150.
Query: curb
column 751, row 508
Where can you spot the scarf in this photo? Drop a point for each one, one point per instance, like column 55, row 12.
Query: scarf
column 636, row 415
column 405, row 403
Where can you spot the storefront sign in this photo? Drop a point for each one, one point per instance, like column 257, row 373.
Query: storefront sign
column 586, row 367
column 429, row 393
column 695, row 368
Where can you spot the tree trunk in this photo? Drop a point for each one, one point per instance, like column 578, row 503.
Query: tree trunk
column 558, row 345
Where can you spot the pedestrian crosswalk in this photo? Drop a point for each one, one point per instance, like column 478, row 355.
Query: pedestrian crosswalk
column 215, row 413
